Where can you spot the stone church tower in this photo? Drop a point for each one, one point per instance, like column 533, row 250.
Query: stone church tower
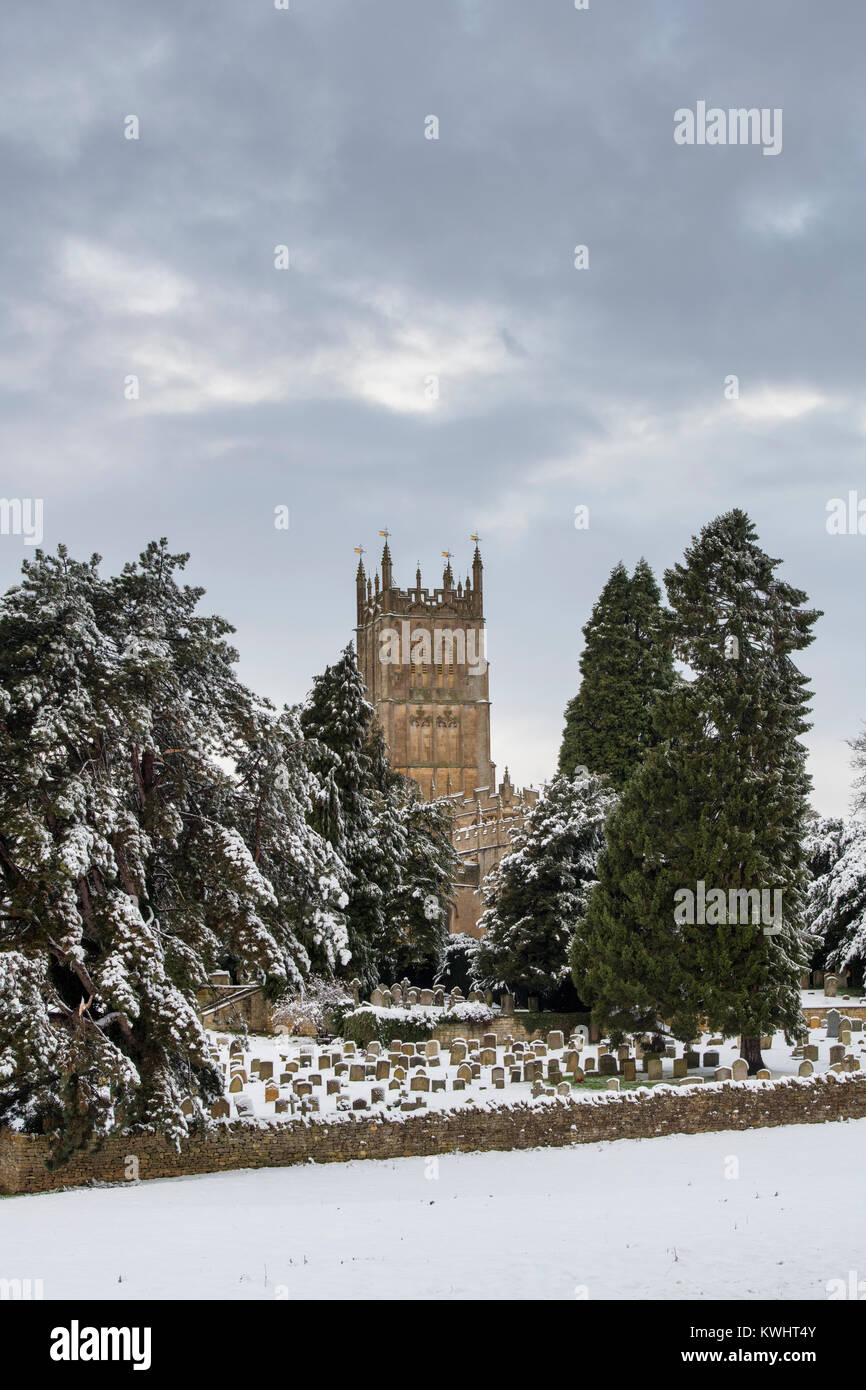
column 421, row 655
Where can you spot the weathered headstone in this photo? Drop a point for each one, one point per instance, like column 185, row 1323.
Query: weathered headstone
column 739, row 1069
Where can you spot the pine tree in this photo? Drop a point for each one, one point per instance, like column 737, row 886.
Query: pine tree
column 396, row 848
column 722, row 801
column 836, row 902
column 422, row 902
column 362, row 819
column 537, row 893
column 625, row 664
column 126, row 867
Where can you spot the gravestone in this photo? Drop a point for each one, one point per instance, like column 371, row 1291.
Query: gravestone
column 419, row 1083
column 680, row 1067
column 653, row 1068
column 740, row 1069
column 711, row 1059
column 837, row 1053
column 810, row 1052
column 612, row 1083
column 722, row 1074
column 831, row 986
column 763, row 1074
column 555, row 1041
column 357, row 1071
column 607, row 1065
column 833, row 1019
column 220, row 1110
column 629, row 1069
column 805, row 1069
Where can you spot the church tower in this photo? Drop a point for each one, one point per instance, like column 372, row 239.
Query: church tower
column 421, row 655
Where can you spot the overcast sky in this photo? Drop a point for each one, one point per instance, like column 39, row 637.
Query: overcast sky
column 450, row 258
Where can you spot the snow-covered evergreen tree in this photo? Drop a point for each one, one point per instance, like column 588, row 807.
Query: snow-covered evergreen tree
column 537, row 893
column 722, row 800
column 422, row 901
column 455, row 967
column 396, row 849
column 836, row 900
column 130, row 861
column 625, row 664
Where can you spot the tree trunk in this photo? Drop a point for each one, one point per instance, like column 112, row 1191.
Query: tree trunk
column 750, row 1050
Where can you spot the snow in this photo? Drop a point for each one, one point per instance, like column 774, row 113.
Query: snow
column 632, row 1219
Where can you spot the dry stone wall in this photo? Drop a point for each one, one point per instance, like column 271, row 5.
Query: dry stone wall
column 640, row 1114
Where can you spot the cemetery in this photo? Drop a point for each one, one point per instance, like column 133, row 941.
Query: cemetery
column 292, row 1099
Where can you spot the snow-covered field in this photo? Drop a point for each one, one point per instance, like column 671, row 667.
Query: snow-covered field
column 633, row 1219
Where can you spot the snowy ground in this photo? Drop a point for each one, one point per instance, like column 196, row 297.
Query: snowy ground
column 633, row 1219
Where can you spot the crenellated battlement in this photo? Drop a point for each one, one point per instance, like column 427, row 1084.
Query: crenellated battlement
column 378, row 596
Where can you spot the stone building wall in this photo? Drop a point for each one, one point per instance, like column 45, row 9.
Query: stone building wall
column 641, row 1114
